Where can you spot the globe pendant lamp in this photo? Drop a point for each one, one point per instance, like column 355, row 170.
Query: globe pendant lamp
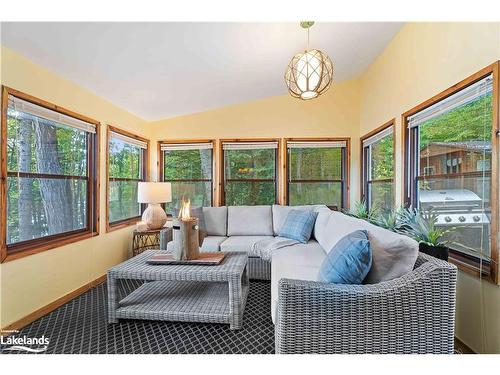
column 309, row 73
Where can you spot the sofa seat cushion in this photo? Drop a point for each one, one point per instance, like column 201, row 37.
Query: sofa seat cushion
column 301, row 261
column 241, row 243
column 249, row 221
column 210, row 244
column 393, row 254
column 215, row 220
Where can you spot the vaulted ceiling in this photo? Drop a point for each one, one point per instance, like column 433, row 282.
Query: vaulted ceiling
column 160, row 70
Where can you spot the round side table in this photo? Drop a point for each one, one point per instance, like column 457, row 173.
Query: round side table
column 145, row 240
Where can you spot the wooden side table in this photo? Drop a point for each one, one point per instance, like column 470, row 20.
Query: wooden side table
column 145, row 240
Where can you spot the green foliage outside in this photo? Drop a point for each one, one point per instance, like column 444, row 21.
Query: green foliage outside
column 320, row 164
column 468, row 123
column 26, row 205
column 124, row 163
column 250, row 177
column 382, row 167
column 190, row 165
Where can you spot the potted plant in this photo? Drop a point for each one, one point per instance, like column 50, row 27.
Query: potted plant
column 421, row 226
column 393, row 220
column 360, row 211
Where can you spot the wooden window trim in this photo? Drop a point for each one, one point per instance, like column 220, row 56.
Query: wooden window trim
column 494, row 70
column 277, row 163
column 38, row 245
column 363, row 177
column 346, row 167
column 160, row 162
column 110, row 227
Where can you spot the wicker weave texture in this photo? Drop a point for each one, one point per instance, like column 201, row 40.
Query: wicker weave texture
column 213, row 294
column 259, row 269
column 412, row 314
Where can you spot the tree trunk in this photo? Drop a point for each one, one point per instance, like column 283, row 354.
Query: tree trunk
column 56, row 193
column 298, row 174
column 206, row 172
column 25, row 202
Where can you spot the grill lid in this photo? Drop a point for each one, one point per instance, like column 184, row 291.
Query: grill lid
column 445, row 198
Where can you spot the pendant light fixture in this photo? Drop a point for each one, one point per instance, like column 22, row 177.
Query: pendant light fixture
column 309, row 73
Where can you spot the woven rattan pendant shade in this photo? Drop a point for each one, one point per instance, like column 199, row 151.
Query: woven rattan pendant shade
column 310, row 73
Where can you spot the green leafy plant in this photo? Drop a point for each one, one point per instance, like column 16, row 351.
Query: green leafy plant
column 421, row 226
column 360, row 210
column 390, row 220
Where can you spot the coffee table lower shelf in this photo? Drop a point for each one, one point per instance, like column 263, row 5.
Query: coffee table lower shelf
column 183, row 301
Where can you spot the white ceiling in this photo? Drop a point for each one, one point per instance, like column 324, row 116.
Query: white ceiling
column 160, row 70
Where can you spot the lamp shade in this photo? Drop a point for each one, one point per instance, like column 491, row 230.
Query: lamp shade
column 154, row 192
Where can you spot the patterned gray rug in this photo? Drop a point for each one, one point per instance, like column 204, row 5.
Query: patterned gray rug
column 80, row 326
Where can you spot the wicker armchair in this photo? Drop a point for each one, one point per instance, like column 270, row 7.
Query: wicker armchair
column 412, row 314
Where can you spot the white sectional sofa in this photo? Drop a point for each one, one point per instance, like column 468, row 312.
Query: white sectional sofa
column 406, row 304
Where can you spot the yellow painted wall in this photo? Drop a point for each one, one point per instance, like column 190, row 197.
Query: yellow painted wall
column 334, row 114
column 422, row 60
column 32, row 282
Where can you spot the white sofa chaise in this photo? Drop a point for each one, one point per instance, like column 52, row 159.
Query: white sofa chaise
column 406, row 305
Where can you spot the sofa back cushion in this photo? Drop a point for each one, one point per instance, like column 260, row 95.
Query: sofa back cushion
column 195, row 212
column 393, row 254
column 215, row 220
column 249, row 221
column 281, row 212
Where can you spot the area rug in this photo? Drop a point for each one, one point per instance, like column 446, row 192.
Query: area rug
column 80, row 327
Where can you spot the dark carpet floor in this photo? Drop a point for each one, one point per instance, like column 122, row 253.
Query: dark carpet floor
column 80, row 326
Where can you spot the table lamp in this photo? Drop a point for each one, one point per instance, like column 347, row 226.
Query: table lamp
column 154, row 193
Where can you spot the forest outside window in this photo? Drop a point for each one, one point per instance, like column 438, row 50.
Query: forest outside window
column 188, row 166
column 377, row 172
column 449, row 167
column 317, row 172
column 50, row 174
column 127, row 165
column 250, row 173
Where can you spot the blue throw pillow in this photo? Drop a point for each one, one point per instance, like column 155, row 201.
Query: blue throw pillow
column 298, row 225
column 349, row 261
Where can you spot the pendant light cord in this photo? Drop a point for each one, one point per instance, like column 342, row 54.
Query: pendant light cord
column 308, row 38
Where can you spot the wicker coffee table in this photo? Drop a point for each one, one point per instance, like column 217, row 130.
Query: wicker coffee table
column 185, row 293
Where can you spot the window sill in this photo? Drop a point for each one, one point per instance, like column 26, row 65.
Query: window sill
column 41, row 245
column 111, row 227
column 471, row 266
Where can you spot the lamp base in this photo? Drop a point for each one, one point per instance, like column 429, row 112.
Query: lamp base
column 154, row 216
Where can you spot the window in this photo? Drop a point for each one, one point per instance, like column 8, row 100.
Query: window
column 449, row 147
column 189, row 167
column 50, row 174
column 377, row 168
column 250, row 172
column 127, row 165
column 317, row 172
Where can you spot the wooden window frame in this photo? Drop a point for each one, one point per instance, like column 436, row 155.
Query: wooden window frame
column 38, row 245
column 468, row 264
column 160, row 163
column 346, row 167
column 277, row 163
column 364, row 182
column 119, row 224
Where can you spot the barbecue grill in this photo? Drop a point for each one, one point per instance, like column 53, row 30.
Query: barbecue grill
column 462, row 209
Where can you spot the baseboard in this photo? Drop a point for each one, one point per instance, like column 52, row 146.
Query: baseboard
column 23, row 322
